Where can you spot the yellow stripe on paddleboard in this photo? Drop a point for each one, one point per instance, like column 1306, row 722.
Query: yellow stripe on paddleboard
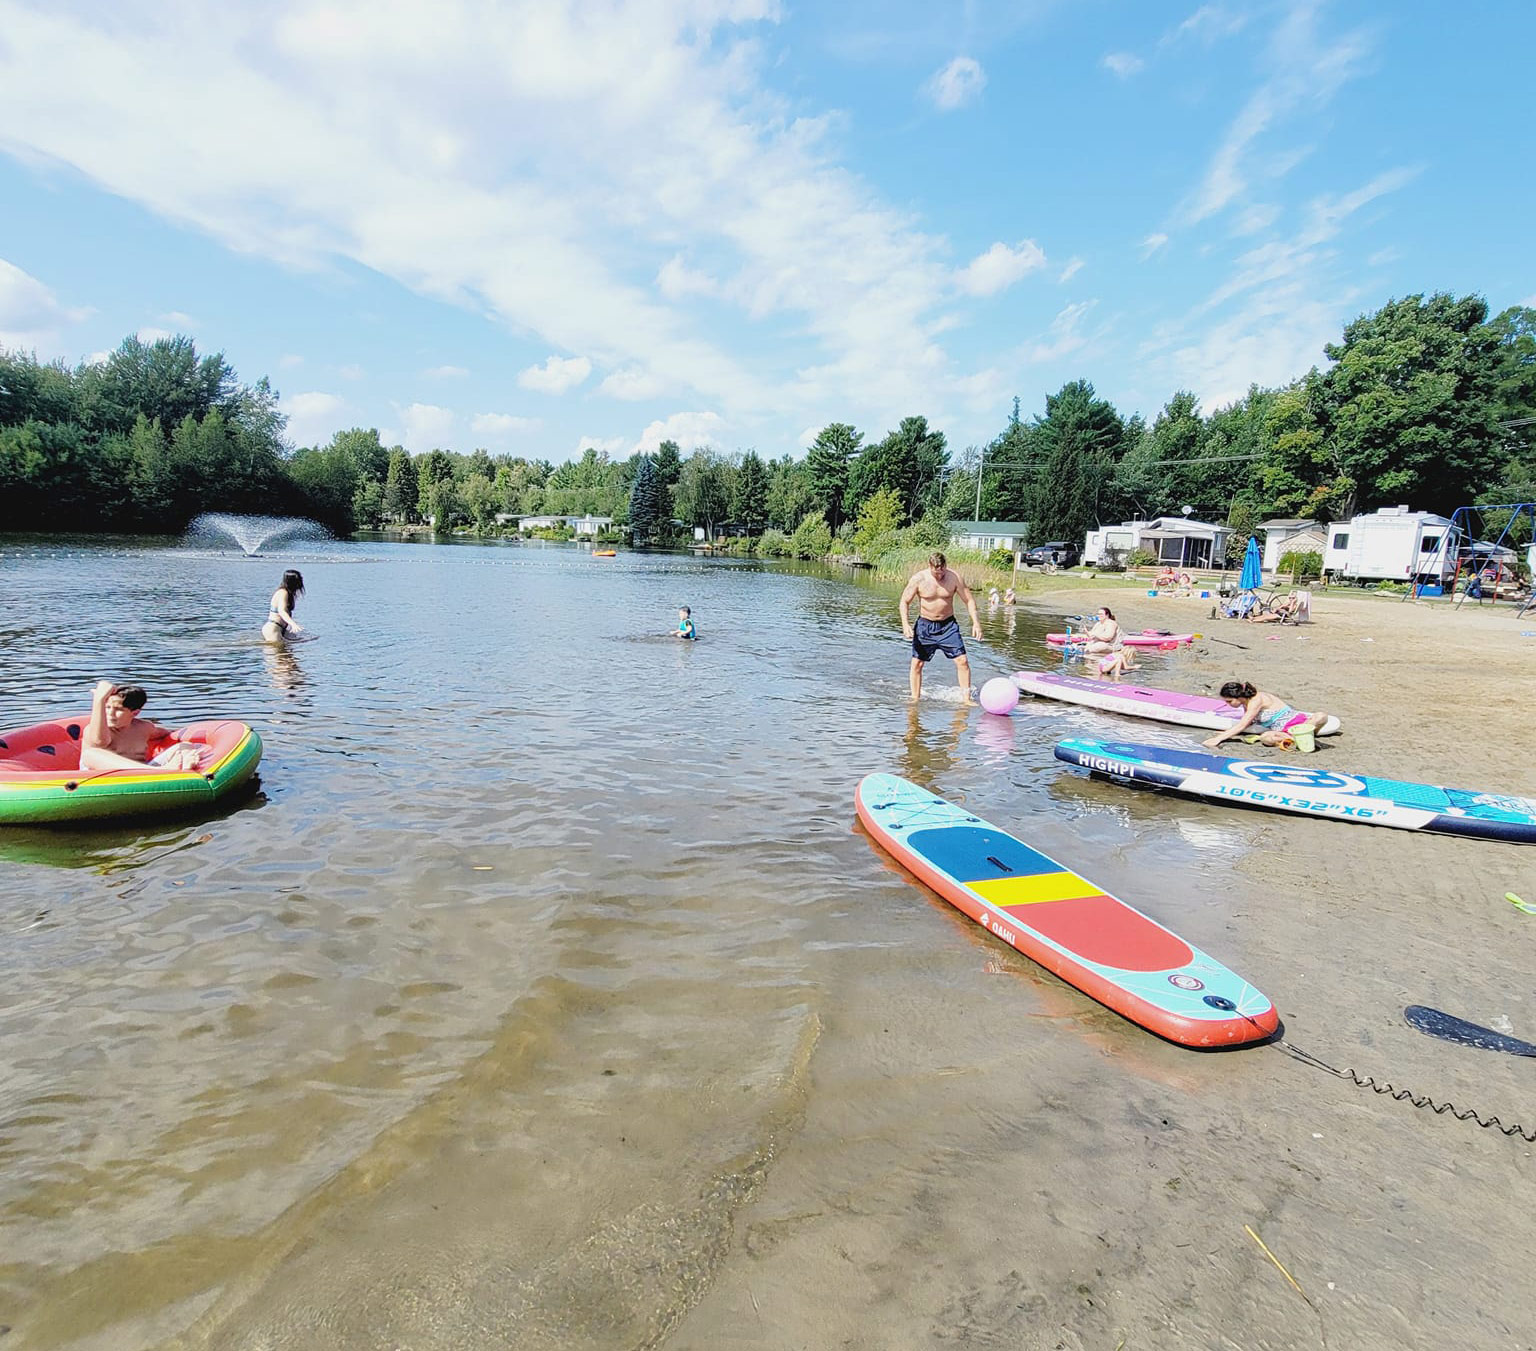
column 1061, row 886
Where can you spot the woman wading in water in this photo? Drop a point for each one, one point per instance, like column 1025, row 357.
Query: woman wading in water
column 281, row 625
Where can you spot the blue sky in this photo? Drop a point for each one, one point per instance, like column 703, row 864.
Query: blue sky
column 537, row 227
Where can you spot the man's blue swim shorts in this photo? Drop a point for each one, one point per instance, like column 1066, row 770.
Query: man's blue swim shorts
column 937, row 635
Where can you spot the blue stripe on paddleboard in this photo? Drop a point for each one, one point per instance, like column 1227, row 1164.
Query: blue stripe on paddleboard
column 970, row 854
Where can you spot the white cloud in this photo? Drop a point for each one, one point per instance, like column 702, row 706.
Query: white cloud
column 1305, row 72
column 1254, row 219
column 689, row 430
column 289, row 360
column 827, row 295
column 677, row 281
column 999, row 267
column 180, row 320
column 556, row 375
column 314, row 417
column 958, row 83
column 423, row 426
column 1152, row 243
column 604, row 445
column 1268, row 320
column 30, row 314
column 1073, row 267
column 1123, row 64
column 500, row 426
column 1064, row 336
column 1208, row 24
column 446, row 373
column 632, row 385
column 152, row 334
column 351, row 371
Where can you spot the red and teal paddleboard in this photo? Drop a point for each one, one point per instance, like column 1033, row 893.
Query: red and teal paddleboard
column 1077, row 931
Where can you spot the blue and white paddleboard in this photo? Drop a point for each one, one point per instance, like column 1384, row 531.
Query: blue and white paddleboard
column 1309, row 791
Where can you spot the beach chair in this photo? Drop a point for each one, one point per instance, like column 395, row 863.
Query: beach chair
column 1237, row 607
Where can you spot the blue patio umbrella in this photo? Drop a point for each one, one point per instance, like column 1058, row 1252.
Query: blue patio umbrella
column 1253, row 570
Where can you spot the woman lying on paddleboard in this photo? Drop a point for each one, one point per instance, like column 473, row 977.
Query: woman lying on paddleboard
column 1275, row 721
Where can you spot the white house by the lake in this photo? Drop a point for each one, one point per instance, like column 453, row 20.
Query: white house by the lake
column 582, row 525
column 989, row 535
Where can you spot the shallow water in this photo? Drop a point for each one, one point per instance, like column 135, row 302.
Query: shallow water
column 506, row 987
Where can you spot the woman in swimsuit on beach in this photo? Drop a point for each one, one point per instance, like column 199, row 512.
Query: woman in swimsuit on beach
column 281, row 625
column 1275, row 721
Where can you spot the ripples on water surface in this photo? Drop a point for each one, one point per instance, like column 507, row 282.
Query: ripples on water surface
column 531, row 928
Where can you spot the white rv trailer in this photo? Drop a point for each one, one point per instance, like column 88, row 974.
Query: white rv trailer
column 1393, row 544
column 1108, row 540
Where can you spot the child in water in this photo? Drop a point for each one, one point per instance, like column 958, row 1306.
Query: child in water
column 685, row 627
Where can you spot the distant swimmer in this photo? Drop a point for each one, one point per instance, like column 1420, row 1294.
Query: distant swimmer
column 935, row 589
column 281, row 625
column 685, row 627
column 115, row 737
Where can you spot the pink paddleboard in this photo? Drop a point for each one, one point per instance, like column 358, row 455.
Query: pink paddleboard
column 1129, row 639
column 1137, row 701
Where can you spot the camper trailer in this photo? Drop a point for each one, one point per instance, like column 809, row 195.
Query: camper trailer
column 1393, row 544
column 1112, row 543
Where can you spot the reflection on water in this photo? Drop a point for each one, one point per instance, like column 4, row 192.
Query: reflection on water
column 516, row 960
column 283, row 666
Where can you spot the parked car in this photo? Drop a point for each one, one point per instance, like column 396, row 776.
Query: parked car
column 1059, row 552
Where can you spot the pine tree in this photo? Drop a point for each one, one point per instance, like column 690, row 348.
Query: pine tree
column 648, row 507
column 828, row 464
column 749, row 501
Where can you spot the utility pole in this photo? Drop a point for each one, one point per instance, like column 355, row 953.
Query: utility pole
column 981, row 459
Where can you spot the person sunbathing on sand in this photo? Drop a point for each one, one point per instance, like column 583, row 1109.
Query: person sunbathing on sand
column 115, row 737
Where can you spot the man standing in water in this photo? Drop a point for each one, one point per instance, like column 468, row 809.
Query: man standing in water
column 935, row 589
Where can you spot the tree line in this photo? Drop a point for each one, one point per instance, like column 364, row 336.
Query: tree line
column 1427, row 401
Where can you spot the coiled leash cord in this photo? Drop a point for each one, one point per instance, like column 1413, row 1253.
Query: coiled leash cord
column 1407, row 1095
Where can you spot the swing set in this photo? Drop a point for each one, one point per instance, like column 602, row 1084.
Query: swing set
column 1491, row 568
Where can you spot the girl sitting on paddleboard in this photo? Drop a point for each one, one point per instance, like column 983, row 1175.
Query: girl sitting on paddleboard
column 1106, row 653
column 1275, row 721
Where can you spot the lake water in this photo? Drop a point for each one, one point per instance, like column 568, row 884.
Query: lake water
column 543, row 933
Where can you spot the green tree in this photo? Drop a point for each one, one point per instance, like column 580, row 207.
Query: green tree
column 828, row 465
column 789, row 493
column 164, row 379
column 669, row 463
column 908, row 460
column 649, row 505
column 1410, row 404
column 880, row 516
column 329, row 479
column 703, row 494
column 1243, row 520
column 478, row 499
column 812, row 537
column 434, row 470
column 31, row 391
column 401, row 488
column 1078, row 442
column 749, row 497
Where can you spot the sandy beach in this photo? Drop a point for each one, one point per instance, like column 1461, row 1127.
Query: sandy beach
column 989, row 1214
